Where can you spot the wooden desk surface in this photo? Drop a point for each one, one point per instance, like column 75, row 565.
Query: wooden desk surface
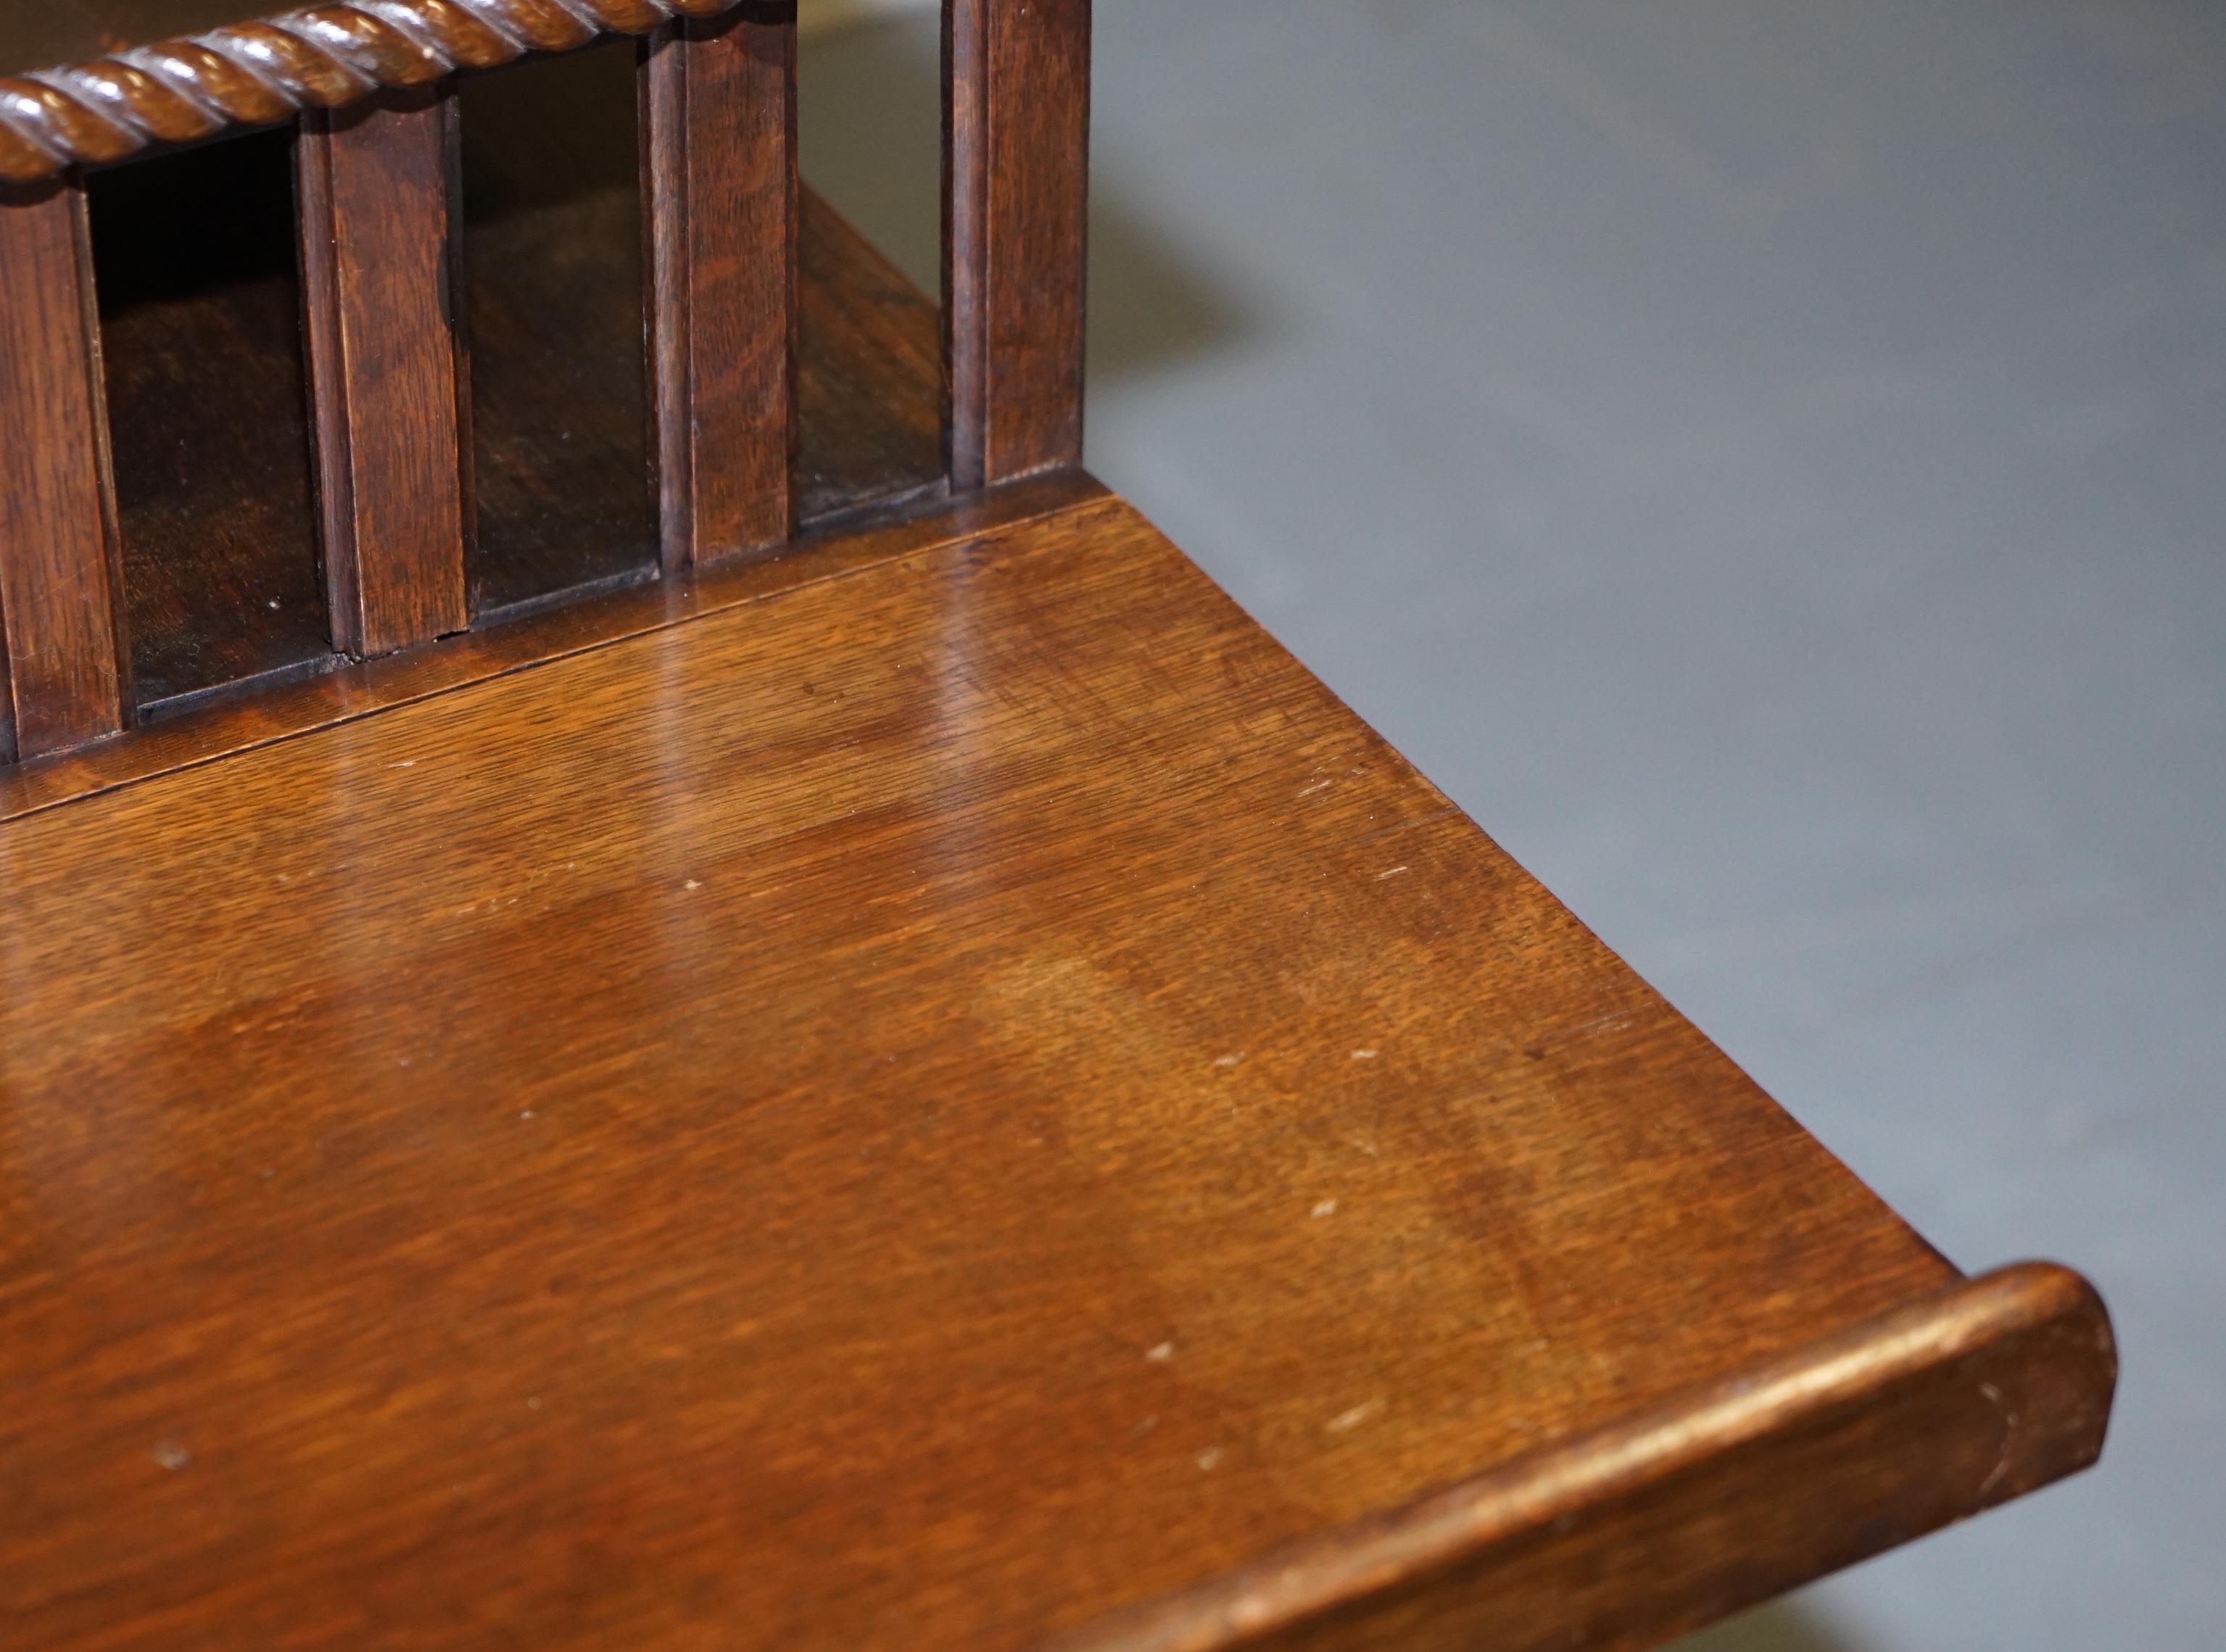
column 926, row 1109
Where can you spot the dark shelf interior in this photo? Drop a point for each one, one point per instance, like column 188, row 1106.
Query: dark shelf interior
column 200, row 321
column 200, row 300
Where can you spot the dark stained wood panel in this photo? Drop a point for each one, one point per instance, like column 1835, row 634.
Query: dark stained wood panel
column 201, row 317
column 718, row 158
column 1015, row 230
column 938, row 1108
column 378, row 189
column 62, row 657
column 563, row 488
column 1684, row 1512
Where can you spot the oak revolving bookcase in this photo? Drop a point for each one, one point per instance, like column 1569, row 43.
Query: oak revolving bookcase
column 663, row 985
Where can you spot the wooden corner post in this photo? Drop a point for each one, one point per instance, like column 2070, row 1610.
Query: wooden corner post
column 1017, row 158
column 387, row 362
column 718, row 120
column 65, row 666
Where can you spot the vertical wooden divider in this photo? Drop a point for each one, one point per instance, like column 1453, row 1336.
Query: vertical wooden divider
column 1016, row 159
column 719, row 192
column 65, row 665
column 387, row 365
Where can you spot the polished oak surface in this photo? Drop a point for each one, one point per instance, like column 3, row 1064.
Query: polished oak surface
column 939, row 1106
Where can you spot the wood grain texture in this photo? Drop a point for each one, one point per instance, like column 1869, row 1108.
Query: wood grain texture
column 63, row 660
column 719, row 174
column 195, row 264
column 385, row 362
column 928, row 1109
column 1711, row 1501
column 1015, row 230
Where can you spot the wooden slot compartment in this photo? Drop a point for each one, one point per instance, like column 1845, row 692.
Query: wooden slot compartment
column 200, row 318
column 559, row 412
column 869, row 380
column 200, row 298
column 563, row 475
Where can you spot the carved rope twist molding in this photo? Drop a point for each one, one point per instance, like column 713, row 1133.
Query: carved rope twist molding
column 252, row 74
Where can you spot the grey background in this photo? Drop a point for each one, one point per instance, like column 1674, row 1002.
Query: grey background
column 1763, row 459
